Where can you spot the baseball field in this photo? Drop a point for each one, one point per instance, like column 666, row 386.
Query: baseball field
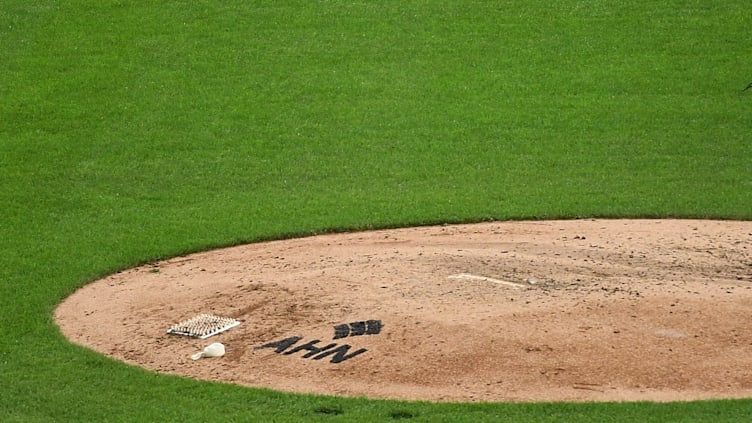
column 133, row 134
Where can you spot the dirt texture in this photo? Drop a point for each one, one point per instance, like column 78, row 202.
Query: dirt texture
column 580, row 310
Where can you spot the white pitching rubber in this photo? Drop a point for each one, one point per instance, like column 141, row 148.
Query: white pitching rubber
column 469, row 277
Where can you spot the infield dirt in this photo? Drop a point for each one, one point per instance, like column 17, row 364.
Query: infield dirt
column 582, row 310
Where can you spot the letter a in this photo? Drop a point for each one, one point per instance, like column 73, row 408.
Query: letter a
column 280, row 346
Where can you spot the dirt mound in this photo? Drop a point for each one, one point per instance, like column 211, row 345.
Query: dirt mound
column 584, row 310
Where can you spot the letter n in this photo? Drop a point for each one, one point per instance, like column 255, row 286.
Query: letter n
column 340, row 354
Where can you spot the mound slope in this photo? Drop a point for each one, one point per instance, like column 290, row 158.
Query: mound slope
column 584, row 310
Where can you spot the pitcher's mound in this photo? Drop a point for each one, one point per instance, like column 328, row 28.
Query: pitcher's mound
column 584, row 310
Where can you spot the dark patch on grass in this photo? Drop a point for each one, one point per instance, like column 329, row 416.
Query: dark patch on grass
column 401, row 414
column 328, row 410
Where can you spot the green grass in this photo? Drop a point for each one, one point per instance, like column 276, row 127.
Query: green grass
column 131, row 131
